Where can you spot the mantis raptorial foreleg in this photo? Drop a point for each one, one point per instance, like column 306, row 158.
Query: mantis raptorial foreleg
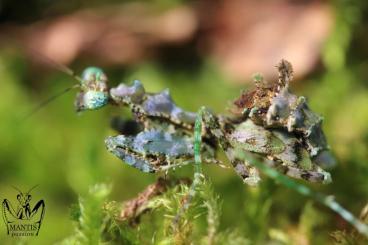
column 9, row 214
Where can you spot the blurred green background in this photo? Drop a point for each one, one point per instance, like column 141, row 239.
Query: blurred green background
column 64, row 152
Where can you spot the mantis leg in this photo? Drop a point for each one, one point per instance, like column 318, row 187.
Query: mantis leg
column 246, row 171
column 39, row 205
column 309, row 175
column 9, row 214
column 8, row 209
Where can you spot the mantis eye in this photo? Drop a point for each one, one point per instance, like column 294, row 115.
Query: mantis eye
column 95, row 99
column 93, row 75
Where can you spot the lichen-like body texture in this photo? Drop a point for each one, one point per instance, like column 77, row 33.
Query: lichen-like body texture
column 148, row 106
column 274, row 106
column 268, row 122
column 153, row 150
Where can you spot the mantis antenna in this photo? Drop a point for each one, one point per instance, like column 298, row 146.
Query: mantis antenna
column 54, row 64
column 16, row 189
column 31, row 189
column 48, row 100
column 59, row 67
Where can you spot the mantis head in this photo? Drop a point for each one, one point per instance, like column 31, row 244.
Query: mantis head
column 94, row 92
column 24, row 197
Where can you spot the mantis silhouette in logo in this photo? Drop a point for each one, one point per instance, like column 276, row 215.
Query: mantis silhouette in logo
column 24, row 211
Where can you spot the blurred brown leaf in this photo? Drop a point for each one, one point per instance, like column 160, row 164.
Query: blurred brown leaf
column 120, row 35
column 250, row 36
column 243, row 36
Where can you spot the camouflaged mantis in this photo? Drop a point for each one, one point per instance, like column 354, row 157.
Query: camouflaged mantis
column 269, row 122
column 270, row 129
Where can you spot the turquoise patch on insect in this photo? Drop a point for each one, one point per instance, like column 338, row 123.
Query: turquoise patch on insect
column 95, row 99
column 92, row 73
